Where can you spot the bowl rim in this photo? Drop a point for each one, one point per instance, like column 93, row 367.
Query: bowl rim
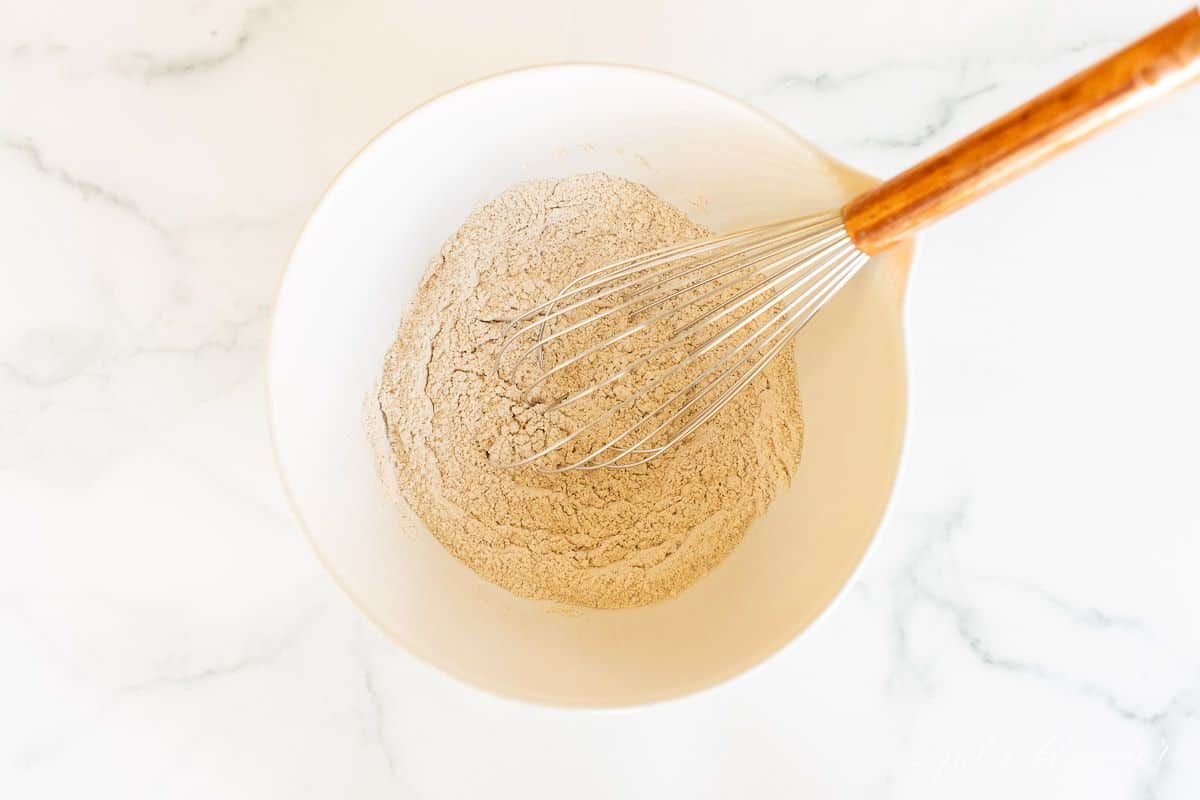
column 435, row 665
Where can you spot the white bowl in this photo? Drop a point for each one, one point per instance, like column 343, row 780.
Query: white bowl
column 358, row 262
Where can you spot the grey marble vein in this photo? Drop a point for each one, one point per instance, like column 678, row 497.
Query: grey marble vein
column 230, row 339
column 92, row 364
column 261, row 655
column 947, row 111
column 26, row 377
column 377, row 715
column 832, row 81
column 86, row 188
column 947, row 107
column 905, row 588
column 1160, row 724
column 29, row 50
column 254, row 21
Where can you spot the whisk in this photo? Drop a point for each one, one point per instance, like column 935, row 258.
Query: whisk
column 671, row 336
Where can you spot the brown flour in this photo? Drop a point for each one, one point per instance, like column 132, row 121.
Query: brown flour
column 604, row 538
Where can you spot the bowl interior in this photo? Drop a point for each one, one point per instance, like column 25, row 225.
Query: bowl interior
column 358, row 262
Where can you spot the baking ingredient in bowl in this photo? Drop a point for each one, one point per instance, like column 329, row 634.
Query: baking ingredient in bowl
column 444, row 418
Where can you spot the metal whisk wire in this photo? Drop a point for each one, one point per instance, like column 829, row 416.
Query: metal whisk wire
column 768, row 282
column 753, row 240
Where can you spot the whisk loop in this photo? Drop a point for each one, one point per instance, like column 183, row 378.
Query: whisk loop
column 670, row 337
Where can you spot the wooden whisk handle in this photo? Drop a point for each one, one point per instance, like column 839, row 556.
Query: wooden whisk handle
column 1024, row 138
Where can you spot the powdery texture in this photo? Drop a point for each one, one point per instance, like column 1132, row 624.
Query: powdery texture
column 602, row 538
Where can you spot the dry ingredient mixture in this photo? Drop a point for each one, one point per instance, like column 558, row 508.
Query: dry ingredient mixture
column 599, row 538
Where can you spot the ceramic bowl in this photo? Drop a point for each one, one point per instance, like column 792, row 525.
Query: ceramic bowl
column 355, row 267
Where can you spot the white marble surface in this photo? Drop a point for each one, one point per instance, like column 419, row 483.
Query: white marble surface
column 1025, row 629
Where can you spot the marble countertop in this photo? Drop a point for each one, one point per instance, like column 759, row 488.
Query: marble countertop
column 1026, row 627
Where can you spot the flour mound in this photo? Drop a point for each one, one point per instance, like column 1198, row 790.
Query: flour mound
column 601, row 538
